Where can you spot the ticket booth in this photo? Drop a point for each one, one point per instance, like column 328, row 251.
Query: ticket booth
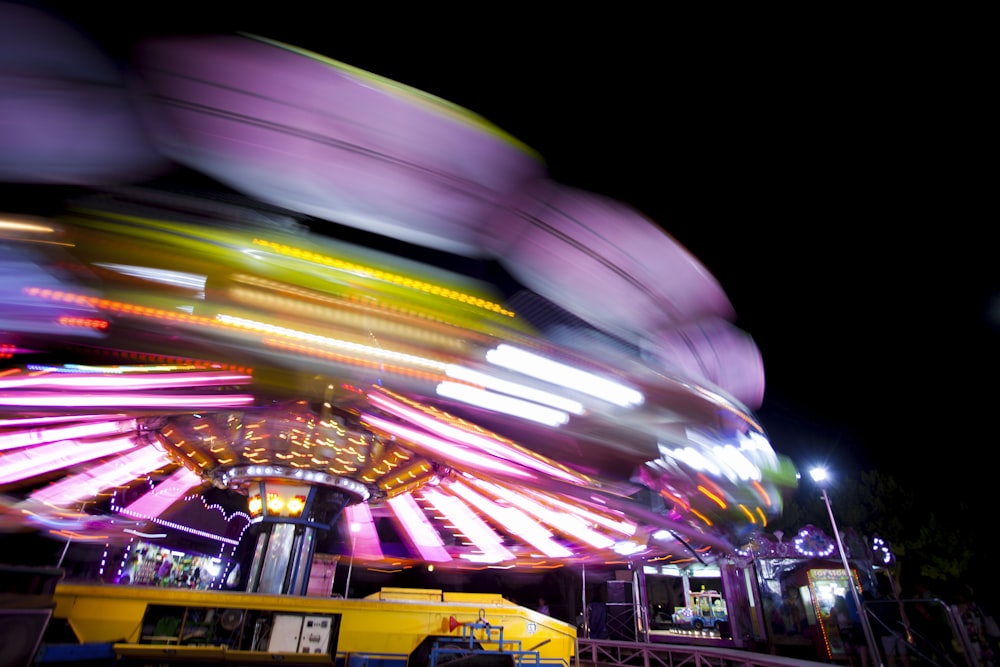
column 799, row 580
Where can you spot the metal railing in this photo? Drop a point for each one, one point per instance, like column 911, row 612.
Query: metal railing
column 935, row 635
column 605, row 653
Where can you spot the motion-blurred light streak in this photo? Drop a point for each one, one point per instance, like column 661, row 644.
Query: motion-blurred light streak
column 564, row 375
column 391, row 278
column 141, row 401
column 344, row 346
column 364, row 537
column 38, row 436
column 515, row 389
column 157, row 500
column 622, row 526
column 456, row 430
column 164, row 276
column 513, row 521
column 425, row 539
column 102, row 381
column 35, row 461
column 91, row 482
column 441, row 447
column 564, row 522
column 471, row 526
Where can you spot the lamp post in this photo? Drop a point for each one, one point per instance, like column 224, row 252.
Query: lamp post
column 350, row 566
column 819, row 476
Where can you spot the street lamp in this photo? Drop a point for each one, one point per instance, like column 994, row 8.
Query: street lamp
column 355, row 529
column 819, row 476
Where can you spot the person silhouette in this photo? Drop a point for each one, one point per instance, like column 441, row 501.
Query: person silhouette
column 888, row 626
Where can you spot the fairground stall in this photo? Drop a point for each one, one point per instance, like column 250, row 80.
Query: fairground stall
column 799, row 578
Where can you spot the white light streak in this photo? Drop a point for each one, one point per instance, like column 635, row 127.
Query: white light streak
column 560, row 374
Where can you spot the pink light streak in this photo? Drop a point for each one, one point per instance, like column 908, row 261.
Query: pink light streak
column 513, row 520
column 121, row 470
column 28, row 438
column 475, row 529
column 48, row 420
column 452, row 451
column 568, row 524
column 490, row 445
column 418, row 528
column 101, row 381
column 361, row 527
column 163, row 495
column 622, row 526
column 128, row 399
column 38, row 460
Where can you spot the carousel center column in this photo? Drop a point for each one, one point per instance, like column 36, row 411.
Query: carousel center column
column 288, row 507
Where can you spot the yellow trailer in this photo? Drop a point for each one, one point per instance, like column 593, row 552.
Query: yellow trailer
column 396, row 627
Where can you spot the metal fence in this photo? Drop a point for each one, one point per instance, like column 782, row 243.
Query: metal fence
column 935, row 634
column 605, row 653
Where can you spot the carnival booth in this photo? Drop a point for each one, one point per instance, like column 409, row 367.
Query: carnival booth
column 708, row 601
column 152, row 565
column 799, row 580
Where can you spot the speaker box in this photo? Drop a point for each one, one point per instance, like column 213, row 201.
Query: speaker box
column 621, row 622
column 619, row 591
column 21, row 633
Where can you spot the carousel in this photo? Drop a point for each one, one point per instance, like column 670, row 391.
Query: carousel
column 384, row 337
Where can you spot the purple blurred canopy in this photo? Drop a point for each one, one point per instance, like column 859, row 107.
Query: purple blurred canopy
column 66, row 115
column 296, row 130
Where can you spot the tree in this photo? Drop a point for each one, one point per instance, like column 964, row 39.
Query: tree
column 932, row 545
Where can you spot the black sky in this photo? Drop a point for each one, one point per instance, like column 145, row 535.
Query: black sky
column 827, row 169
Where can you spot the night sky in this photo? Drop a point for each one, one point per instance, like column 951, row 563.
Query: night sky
column 825, row 169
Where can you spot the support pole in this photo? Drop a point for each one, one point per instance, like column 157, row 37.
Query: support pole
column 869, row 636
column 350, row 564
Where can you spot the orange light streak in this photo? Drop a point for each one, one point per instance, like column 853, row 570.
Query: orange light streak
column 708, row 522
column 748, row 513
column 711, row 496
column 763, row 517
column 84, row 322
column 763, row 493
column 709, row 484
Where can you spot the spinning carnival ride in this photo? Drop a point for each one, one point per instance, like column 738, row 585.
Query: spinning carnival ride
column 157, row 344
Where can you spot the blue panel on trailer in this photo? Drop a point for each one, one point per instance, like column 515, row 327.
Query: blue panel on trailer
column 376, row 660
column 74, row 652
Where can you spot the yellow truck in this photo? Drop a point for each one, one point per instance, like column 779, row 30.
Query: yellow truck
column 396, row 627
